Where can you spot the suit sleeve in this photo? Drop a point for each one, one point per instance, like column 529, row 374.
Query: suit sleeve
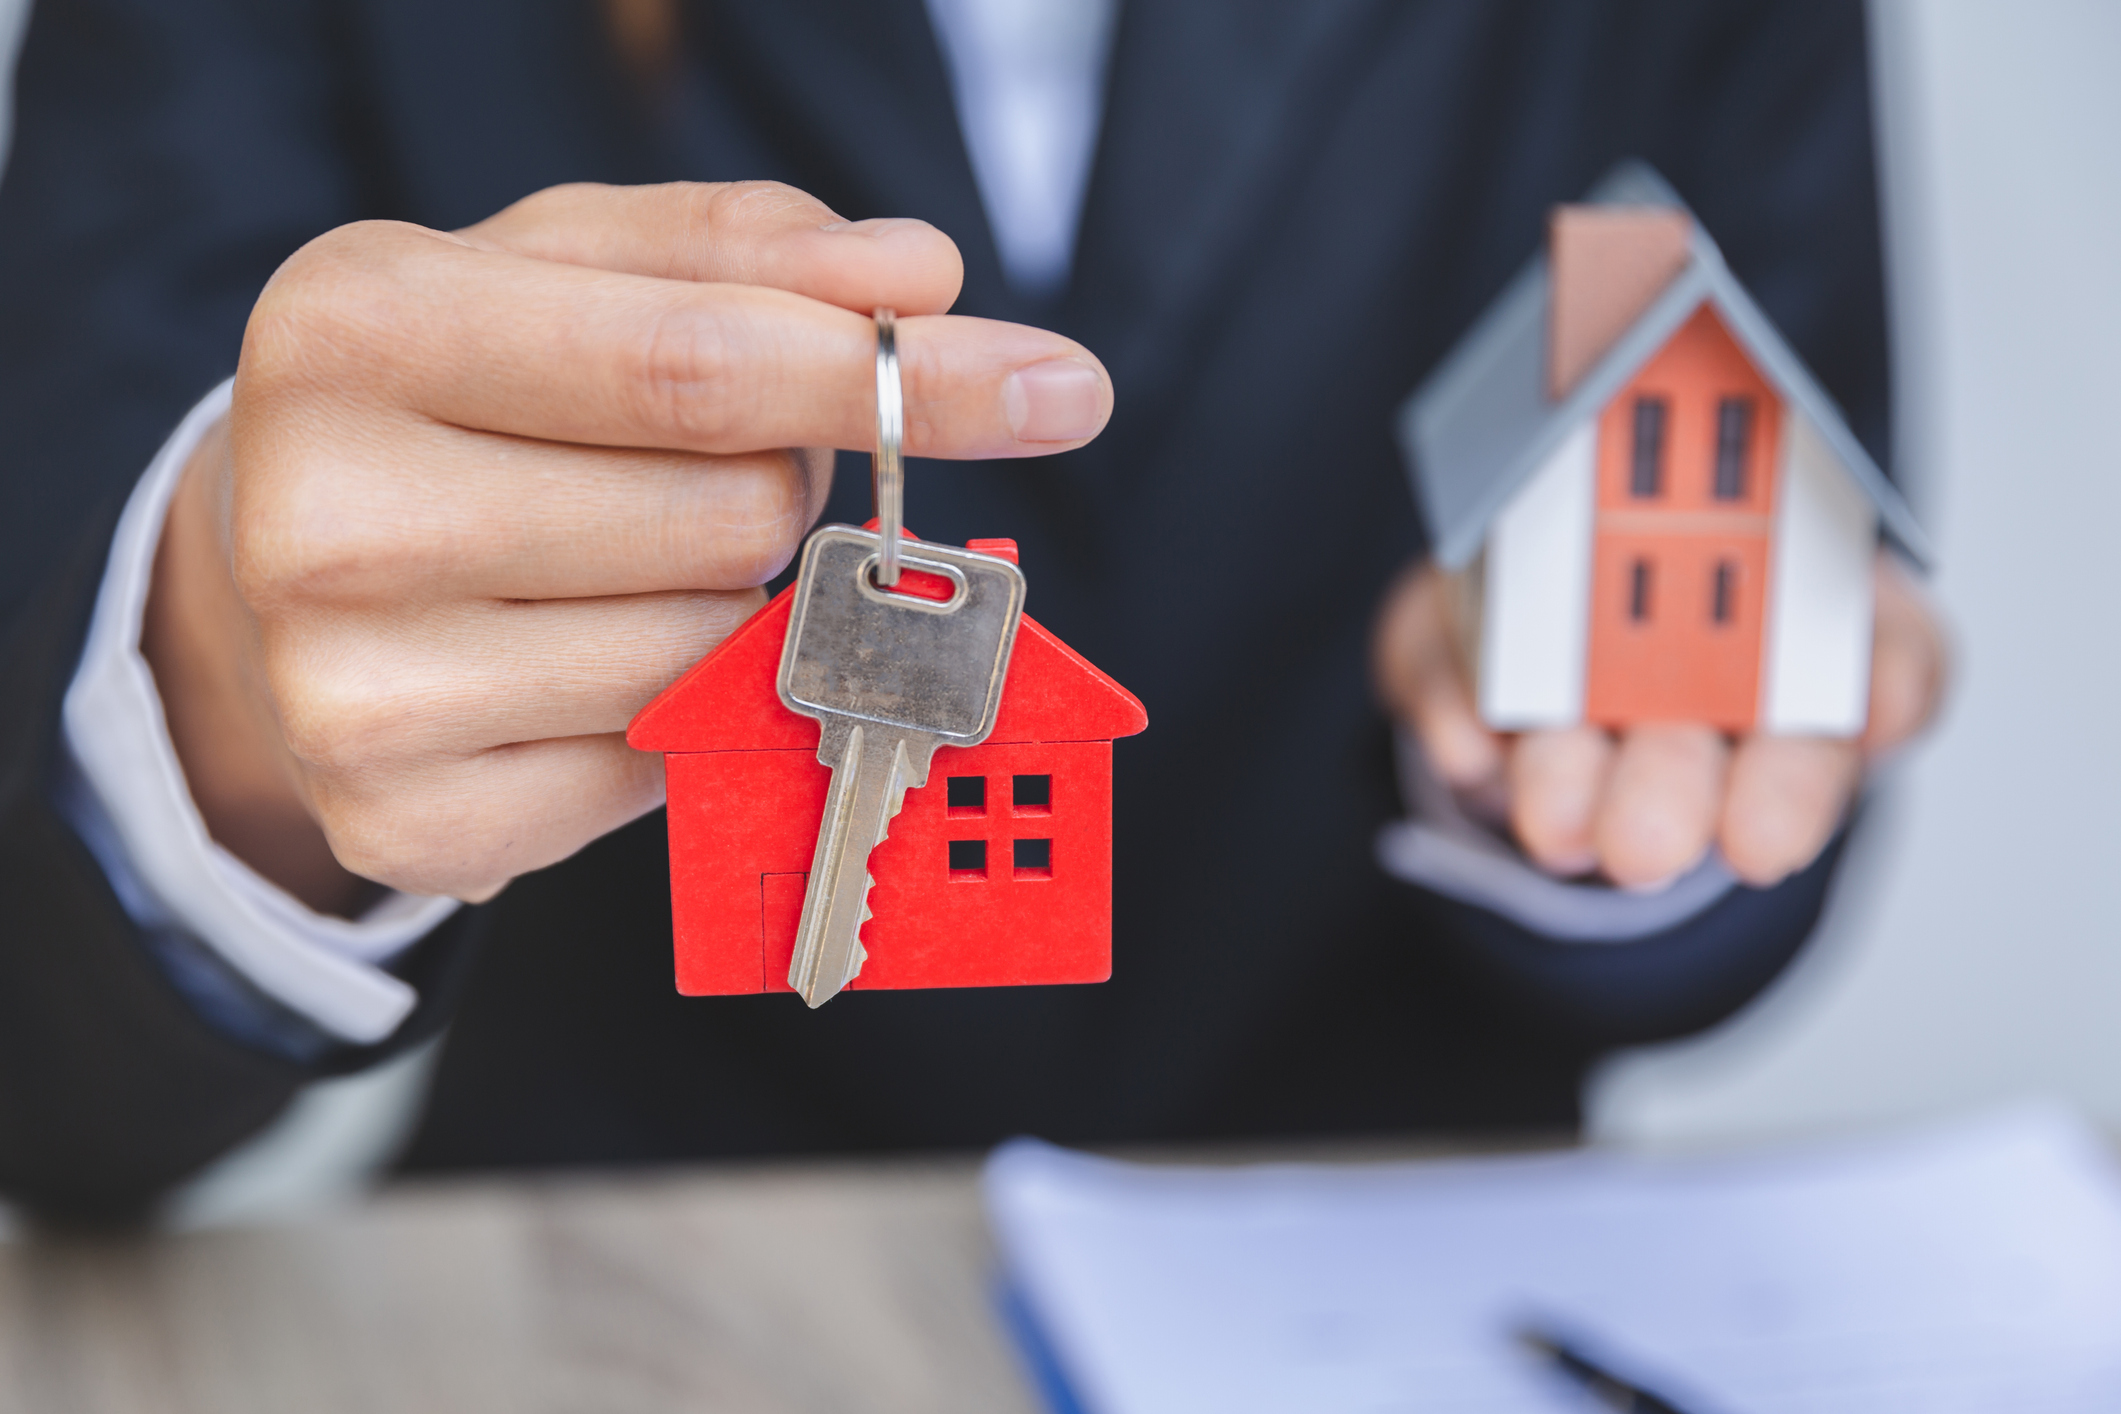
column 166, row 158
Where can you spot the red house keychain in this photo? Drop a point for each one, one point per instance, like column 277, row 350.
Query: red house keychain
column 996, row 872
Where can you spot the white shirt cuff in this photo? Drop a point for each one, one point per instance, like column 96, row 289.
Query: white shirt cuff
column 1445, row 851
column 140, row 822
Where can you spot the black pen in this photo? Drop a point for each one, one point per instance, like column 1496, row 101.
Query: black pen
column 1606, row 1387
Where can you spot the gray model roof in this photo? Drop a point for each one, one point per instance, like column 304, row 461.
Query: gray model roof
column 1482, row 423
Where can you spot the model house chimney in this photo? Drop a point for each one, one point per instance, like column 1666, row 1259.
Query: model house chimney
column 1609, row 264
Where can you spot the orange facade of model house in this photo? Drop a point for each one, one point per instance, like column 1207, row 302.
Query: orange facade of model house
column 1686, row 490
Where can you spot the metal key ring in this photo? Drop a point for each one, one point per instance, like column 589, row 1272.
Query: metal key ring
column 888, row 466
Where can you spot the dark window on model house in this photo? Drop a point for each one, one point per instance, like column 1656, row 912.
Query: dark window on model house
column 1724, row 593
column 1734, row 436
column 1639, row 591
column 1646, row 471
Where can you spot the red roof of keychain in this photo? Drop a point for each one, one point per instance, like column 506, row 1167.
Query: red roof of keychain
column 996, row 873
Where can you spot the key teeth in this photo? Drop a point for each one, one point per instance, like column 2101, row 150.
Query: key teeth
column 861, row 954
column 895, row 804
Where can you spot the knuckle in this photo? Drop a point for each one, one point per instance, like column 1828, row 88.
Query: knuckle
column 374, row 842
column 685, row 374
column 341, row 298
column 741, row 204
column 380, row 840
column 760, row 509
column 352, row 827
column 735, row 220
column 323, row 345
column 324, row 735
column 408, row 817
column 343, row 721
column 299, row 540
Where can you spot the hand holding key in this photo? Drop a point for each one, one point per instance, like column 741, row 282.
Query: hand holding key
column 483, row 494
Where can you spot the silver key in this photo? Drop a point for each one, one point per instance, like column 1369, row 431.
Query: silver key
column 889, row 677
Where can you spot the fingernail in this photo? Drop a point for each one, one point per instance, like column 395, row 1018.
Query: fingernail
column 1568, row 863
column 875, row 228
column 1054, row 401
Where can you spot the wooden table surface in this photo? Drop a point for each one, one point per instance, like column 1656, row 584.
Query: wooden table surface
column 699, row 1291
column 788, row 1287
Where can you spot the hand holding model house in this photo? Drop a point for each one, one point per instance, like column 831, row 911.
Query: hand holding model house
column 1658, row 617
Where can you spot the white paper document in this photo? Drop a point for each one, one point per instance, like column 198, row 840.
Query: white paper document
column 1976, row 1267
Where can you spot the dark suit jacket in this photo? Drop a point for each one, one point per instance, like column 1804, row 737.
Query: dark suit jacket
column 1297, row 206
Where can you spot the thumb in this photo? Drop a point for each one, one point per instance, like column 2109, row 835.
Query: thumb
column 1421, row 676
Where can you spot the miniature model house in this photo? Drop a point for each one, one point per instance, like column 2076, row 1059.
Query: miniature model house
column 1658, row 513
column 998, row 872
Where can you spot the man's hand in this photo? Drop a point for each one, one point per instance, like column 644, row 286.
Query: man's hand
column 1644, row 808
column 482, row 495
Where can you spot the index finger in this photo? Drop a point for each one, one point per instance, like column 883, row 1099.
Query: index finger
column 744, row 233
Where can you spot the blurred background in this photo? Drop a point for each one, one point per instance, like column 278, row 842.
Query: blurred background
column 1974, row 950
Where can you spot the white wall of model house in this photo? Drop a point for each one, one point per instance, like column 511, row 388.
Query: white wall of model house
column 1535, row 619
column 1816, row 672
